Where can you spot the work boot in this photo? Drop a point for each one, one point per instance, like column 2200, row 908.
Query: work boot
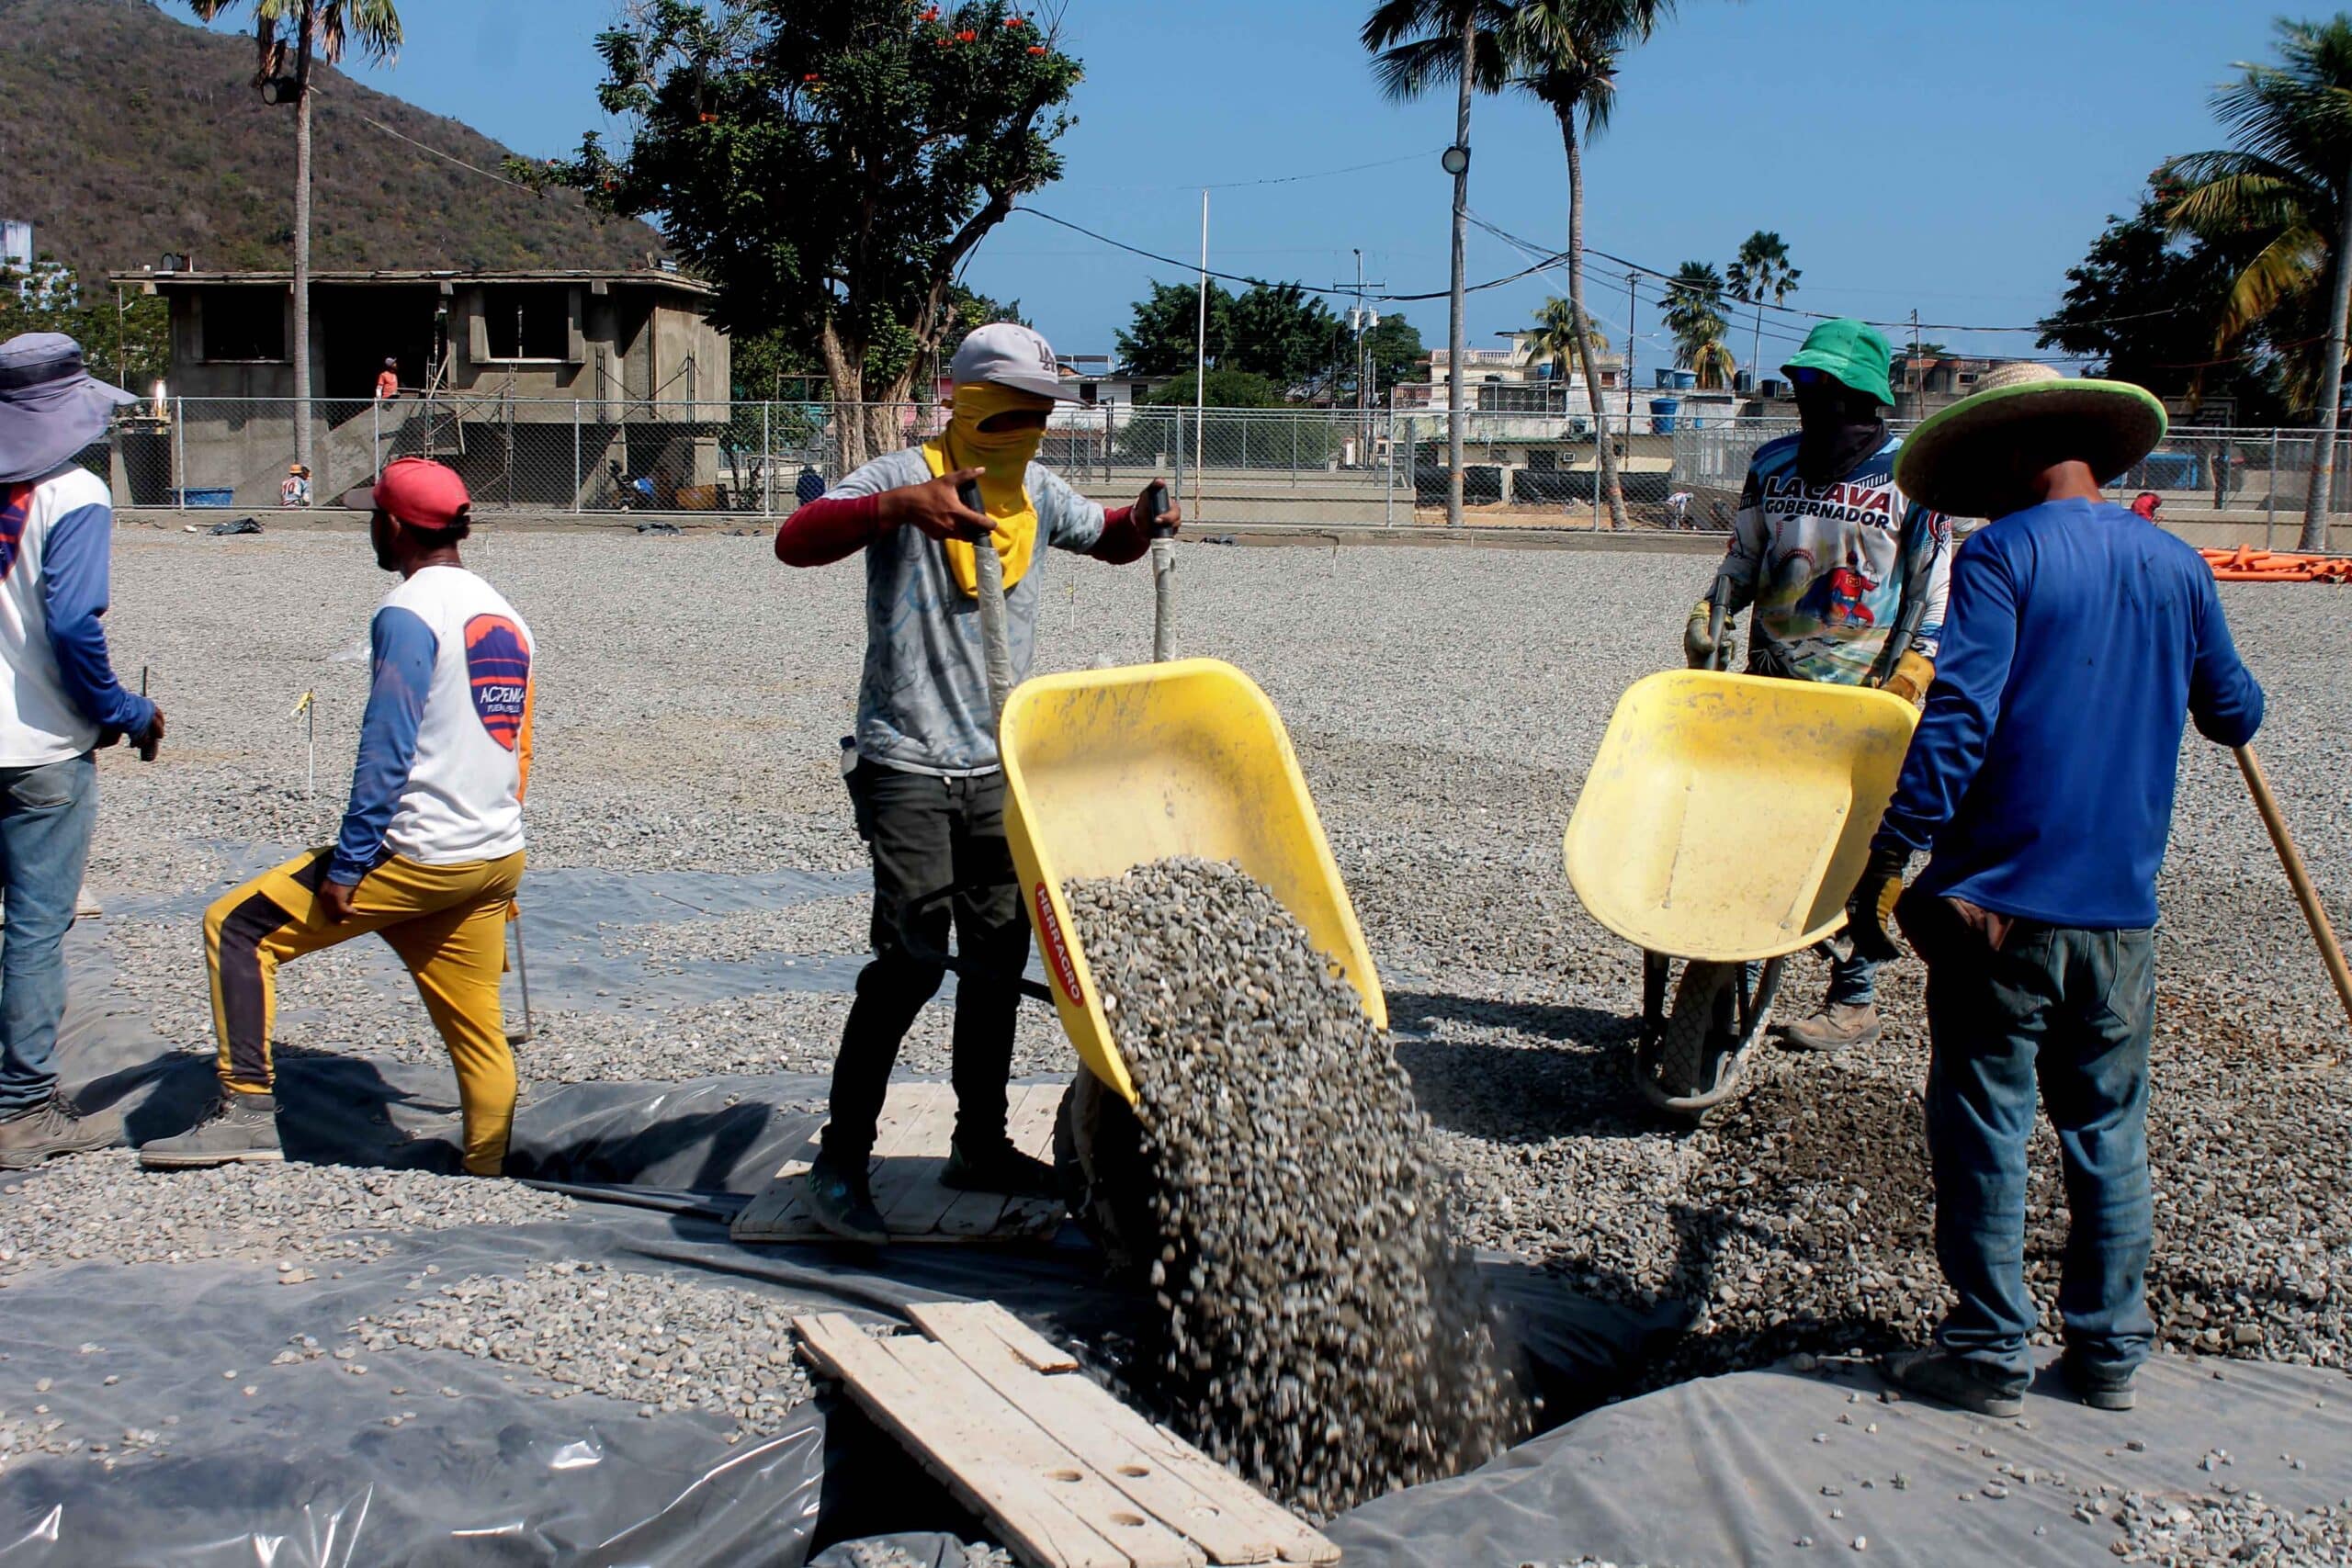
column 843, row 1202
column 1834, row 1027
column 53, row 1128
column 998, row 1167
column 2100, row 1391
column 1944, row 1377
column 240, row 1128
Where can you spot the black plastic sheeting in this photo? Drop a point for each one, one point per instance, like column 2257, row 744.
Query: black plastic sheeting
column 312, row 1473
column 1748, row 1469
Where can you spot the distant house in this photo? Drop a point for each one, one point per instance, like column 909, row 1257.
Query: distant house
column 1515, row 381
column 537, row 386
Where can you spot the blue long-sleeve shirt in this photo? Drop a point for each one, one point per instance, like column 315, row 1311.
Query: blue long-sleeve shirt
column 404, row 649
column 2077, row 641
column 74, row 590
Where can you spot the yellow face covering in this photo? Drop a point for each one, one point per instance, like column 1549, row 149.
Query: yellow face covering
column 1005, row 455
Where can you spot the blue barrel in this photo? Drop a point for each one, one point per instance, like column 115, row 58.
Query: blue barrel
column 1662, row 412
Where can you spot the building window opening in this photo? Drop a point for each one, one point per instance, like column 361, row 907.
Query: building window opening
column 527, row 324
column 244, row 325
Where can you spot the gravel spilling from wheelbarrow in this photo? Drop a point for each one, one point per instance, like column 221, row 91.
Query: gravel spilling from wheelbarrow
column 1322, row 1332
column 663, row 1344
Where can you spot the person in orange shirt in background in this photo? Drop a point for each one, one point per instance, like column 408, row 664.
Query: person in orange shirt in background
column 388, row 381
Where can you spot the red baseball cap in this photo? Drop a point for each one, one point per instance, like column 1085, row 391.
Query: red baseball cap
column 417, row 492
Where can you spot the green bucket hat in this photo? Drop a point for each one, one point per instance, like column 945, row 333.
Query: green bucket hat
column 1854, row 352
column 1950, row 463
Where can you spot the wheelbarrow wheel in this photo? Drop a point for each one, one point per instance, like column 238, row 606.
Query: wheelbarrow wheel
column 1698, row 1062
column 1105, row 1180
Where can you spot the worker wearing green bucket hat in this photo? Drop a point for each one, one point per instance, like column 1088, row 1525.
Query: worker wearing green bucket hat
column 1847, row 573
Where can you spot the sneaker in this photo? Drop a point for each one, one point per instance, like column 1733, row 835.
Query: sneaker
column 1942, row 1376
column 842, row 1202
column 998, row 1167
column 240, row 1128
column 53, row 1128
column 1834, row 1027
column 2100, row 1391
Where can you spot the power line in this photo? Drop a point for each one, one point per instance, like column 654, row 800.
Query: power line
column 421, row 147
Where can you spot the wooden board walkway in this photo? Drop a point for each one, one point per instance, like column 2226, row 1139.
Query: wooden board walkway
column 910, row 1151
column 1065, row 1475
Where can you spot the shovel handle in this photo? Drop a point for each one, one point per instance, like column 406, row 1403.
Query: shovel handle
column 996, row 647
column 2300, row 879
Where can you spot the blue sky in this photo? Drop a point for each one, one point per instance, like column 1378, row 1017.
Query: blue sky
column 1951, row 158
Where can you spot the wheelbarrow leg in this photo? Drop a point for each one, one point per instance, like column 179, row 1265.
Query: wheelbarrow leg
column 1656, row 970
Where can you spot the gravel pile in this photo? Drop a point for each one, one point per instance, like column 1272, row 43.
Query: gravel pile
column 660, row 1343
column 307, row 1217
column 2208, row 1532
column 1323, row 1332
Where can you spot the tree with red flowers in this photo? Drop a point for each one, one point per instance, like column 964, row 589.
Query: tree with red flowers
column 829, row 164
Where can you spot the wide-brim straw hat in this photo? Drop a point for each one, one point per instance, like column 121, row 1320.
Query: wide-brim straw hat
column 1952, row 463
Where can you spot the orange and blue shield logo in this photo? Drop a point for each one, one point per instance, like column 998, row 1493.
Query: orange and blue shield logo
column 16, row 510
column 498, row 668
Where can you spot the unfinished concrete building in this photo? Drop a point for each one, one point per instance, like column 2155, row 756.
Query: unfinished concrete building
column 543, row 389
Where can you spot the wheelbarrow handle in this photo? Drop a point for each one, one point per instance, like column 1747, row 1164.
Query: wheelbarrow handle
column 1718, row 617
column 1150, row 507
column 923, row 951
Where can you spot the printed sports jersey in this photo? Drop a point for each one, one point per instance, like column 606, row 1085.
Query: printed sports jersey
column 444, row 750
column 58, row 691
column 1826, row 565
column 922, row 705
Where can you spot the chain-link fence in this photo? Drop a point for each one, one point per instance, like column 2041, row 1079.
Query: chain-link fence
column 1680, row 468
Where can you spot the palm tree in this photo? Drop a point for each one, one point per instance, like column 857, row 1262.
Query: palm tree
column 1554, row 340
column 322, row 30
column 2288, row 181
column 1761, row 268
column 1694, row 309
column 1562, row 53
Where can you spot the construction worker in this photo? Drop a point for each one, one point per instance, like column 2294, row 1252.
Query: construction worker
column 1847, row 573
column 295, row 489
column 431, row 850
column 59, row 702
column 923, row 769
column 387, row 381
column 2040, row 781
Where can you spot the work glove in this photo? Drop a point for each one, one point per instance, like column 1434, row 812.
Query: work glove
column 1871, row 903
column 1914, row 674
column 1698, row 637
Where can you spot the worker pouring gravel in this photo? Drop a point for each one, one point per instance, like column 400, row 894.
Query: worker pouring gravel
column 59, row 703
column 2040, row 781
column 924, row 777
column 431, row 850
column 1847, row 573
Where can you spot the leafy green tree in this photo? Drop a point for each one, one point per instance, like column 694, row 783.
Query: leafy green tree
column 1160, row 339
column 1394, row 348
column 2145, row 304
column 1563, row 53
column 1554, row 343
column 2287, row 180
column 829, row 164
column 1219, row 389
column 1276, row 330
column 289, row 35
column 1761, row 269
column 125, row 338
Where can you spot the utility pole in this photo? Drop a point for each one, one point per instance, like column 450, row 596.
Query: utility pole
column 1360, row 321
column 1457, row 162
column 1201, row 369
column 1631, row 301
column 1919, row 376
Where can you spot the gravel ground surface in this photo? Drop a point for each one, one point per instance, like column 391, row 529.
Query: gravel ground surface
column 1442, row 703
column 664, row 1344
column 2240, row 1529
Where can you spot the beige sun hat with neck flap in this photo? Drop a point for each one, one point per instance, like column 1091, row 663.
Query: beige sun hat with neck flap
column 1950, row 462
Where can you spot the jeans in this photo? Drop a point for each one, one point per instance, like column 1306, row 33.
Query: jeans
column 1853, row 980
column 2070, row 1010
column 46, row 817
column 939, row 853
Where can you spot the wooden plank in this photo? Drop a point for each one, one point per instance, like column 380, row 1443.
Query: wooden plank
column 984, row 1213
column 957, row 1436
column 1180, row 1487
column 903, row 1182
column 1031, row 1349
column 1017, row 1442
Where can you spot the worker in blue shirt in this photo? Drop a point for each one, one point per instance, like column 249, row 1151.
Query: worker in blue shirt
column 2041, row 781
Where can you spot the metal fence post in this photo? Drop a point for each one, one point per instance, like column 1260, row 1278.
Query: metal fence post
column 576, row 485
column 179, row 454
column 2270, row 502
column 376, row 436
column 767, row 460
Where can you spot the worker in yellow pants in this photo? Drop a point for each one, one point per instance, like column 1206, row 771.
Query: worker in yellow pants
column 432, row 846
column 447, row 924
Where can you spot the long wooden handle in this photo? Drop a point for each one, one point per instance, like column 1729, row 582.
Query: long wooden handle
column 2315, row 913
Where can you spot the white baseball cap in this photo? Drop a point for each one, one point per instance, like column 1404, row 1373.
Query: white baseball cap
column 1010, row 354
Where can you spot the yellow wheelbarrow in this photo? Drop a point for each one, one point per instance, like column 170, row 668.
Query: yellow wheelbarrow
column 1722, row 822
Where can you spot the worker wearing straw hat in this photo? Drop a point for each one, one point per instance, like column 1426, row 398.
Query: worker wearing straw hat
column 2040, row 781
column 1847, row 574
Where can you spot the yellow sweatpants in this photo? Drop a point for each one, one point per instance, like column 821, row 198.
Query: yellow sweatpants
column 447, row 924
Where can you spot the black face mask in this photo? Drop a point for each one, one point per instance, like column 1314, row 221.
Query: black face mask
column 1838, row 430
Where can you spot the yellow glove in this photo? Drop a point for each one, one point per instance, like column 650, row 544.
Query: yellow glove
column 1914, row 674
column 1698, row 638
